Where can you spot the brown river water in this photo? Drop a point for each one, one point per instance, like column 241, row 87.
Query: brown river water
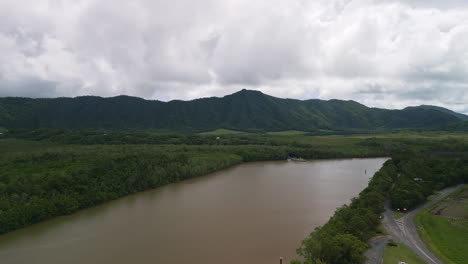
column 250, row 213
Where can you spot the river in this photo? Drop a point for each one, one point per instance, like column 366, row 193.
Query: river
column 250, row 213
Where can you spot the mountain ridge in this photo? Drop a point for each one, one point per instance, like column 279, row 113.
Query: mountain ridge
column 445, row 110
column 243, row 110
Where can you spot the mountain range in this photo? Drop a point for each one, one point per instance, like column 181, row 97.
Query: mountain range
column 244, row 110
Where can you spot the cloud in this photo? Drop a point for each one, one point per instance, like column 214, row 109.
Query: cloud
column 381, row 53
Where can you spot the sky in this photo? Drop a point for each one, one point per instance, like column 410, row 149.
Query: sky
column 381, row 53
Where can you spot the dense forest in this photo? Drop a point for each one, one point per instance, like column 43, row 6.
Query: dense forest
column 421, row 175
column 245, row 110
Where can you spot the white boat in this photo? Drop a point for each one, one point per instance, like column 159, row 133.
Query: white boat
column 295, row 159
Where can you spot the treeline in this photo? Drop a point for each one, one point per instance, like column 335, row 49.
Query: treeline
column 95, row 137
column 342, row 239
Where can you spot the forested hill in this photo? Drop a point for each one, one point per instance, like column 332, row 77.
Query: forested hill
column 460, row 116
column 244, row 110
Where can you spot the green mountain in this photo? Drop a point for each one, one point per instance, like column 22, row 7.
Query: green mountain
column 244, row 110
column 445, row 110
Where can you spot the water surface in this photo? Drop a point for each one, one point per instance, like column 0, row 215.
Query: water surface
column 251, row 213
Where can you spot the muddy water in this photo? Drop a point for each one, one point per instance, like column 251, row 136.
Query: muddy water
column 252, row 213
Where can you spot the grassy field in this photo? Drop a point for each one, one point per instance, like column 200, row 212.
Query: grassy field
column 444, row 228
column 393, row 255
column 9, row 146
column 286, row 133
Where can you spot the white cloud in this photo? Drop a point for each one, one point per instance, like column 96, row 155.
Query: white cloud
column 381, row 53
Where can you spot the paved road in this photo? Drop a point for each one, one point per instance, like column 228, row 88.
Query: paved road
column 403, row 230
column 375, row 253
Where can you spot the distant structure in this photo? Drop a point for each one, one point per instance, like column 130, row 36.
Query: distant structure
column 218, row 138
column 417, row 179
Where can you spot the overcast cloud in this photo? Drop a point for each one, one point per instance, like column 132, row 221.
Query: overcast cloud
column 383, row 53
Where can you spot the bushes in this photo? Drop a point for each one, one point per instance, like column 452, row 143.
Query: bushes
column 392, row 243
column 421, row 175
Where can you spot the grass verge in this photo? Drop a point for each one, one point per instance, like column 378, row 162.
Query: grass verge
column 447, row 237
column 393, row 255
column 398, row 214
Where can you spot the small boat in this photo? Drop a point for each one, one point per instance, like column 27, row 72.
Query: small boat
column 294, row 159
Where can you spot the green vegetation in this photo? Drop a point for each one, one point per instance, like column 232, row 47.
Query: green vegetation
column 461, row 116
column 46, row 173
column 431, row 197
column 380, row 230
column 221, row 132
column 40, row 184
column 398, row 214
column 57, row 172
column 400, row 252
column 438, row 164
column 421, row 175
column 444, row 227
column 323, row 147
column 249, row 111
column 286, row 133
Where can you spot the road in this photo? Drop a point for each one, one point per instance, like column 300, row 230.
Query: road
column 403, row 230
column 375, row 253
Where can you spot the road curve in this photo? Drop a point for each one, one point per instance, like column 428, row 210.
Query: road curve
column 375, row 253
column 403, row 230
